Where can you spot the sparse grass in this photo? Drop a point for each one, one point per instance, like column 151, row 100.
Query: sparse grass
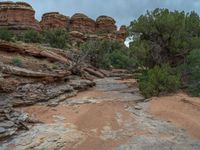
column 16, row 61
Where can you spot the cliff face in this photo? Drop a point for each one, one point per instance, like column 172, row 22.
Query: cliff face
column 122, row 34
column 106, row 24
column 54, row 20
column 18, row 16
column 21, row 16
column 82, row 23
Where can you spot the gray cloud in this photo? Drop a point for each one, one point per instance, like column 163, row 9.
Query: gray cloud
column 123, row 11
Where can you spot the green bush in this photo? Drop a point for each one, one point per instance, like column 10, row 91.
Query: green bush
column 31, row 36
column 121, row 59
column 16, row 61
column 104, row 54
column 6, row 35
column 97, row 53
column 164, row 36
column 159, row 80
column 57, row 38
column 193, row 69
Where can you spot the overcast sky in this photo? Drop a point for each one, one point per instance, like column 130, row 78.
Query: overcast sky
column 123, row 11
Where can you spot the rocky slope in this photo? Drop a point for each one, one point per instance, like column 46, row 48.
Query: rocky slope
column 110, row 116
column 32, row 74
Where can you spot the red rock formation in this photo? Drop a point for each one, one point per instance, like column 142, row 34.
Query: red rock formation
column 122, row 34
column 82, row 23
column 105, row 24
column 77, row 38
column 54, row 20
column 18, row 16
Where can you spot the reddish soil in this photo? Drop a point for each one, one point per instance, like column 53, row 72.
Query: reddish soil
column 180, row 109
column 91, row 119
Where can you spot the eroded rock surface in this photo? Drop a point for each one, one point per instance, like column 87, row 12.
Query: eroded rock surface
column 18, row 16
column 112, row 115
column 82, row 23
column 106, row 24
column 54, row 20
column 122, row 34
column 21, row 16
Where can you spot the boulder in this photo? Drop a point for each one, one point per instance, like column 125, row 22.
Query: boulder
column 77, row 38
column 82, row 23
column 18, row 16
column 54, row 20
column 105, row 24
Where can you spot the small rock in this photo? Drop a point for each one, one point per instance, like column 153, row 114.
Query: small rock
column 137, row 107
column 7, row 124
column 2, row 130
column 53, row 104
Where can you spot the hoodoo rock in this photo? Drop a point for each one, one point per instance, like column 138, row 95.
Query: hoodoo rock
column 122, row 34
column 18, row 16
column 82, row 23
column 54, row 20
column 105, row 24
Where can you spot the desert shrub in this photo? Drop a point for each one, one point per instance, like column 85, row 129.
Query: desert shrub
column 6, row 35
column 164, row 36
column 97, row 53
column 16, row 61
column 31, row 36
column 159, row 80
column 104, row 54
column 193, row 69
column 57, row 38
column 122, row 59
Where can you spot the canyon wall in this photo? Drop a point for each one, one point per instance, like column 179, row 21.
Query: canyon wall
column 21, row 16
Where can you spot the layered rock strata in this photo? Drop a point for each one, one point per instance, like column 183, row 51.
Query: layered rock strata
column 54, row 20
column 18, row 16
column 21, row 16
column 82, row 23
column 105, row 24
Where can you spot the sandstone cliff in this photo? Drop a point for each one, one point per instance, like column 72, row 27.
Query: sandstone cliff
column 122, row 34
column 82, row 23
column 18, row 16
column 54, row 20
column 106, row 24
column 21, row 16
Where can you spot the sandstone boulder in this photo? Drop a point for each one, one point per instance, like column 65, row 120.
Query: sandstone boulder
column 82, row 23
column 77, row 38
column 105, row 24
column 18, row 16
column 54, row 20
